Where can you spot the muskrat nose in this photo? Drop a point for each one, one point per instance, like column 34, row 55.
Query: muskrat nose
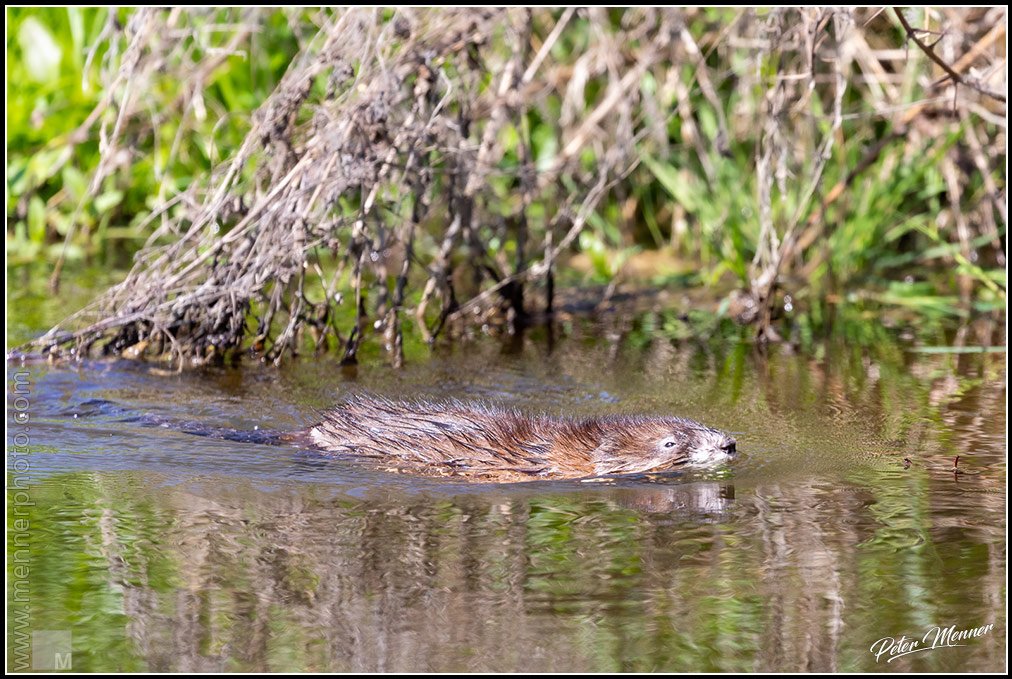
column 729, row 446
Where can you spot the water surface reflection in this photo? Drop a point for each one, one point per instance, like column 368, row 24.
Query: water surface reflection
column 845, row 520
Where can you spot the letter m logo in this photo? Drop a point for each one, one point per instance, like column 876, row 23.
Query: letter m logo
column 51, row 650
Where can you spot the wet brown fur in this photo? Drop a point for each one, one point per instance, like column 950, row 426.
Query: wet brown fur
column 493, row 441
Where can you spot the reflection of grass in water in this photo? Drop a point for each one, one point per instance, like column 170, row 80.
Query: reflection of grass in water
column 76, row 535
column 620, row 589
column 33, row 306
column 884, row 399
column 916, row 557
column 287, row 580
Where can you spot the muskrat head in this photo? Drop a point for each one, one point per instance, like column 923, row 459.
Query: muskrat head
column 632, row 446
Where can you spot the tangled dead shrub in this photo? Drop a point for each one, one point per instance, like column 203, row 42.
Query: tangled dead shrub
column 395, row 156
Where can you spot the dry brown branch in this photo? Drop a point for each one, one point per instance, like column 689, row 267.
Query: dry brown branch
column 951, row 72
column 440, row 164
column 322, row 203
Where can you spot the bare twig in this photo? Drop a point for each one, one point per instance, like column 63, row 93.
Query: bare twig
column 929, row 51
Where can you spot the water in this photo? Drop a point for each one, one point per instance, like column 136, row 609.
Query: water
column 843, row 522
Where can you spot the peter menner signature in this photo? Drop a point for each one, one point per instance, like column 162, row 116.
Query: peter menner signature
column 936, row 637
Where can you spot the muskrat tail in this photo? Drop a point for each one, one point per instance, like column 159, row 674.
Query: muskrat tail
column 103, row 408
column 264, row 437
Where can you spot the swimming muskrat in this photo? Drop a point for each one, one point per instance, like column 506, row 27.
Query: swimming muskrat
column 488, row 440
column 494, row 442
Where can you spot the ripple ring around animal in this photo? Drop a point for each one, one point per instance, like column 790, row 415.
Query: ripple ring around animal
column 486, row 442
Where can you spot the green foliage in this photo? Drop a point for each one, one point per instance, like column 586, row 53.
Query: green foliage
column 173, row 139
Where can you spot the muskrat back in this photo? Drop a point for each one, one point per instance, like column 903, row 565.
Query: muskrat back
column 490, row 440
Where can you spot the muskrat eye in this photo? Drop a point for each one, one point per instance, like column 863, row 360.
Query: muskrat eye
column 669, row 444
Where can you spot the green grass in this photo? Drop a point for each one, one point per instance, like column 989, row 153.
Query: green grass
column 173, row 140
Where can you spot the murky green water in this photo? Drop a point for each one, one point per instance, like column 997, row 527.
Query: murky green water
column 842, row 523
